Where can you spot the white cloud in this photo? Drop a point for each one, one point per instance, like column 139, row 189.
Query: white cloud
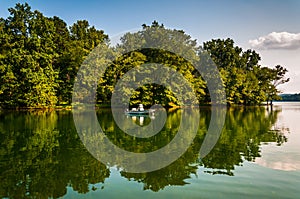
column 277, row 40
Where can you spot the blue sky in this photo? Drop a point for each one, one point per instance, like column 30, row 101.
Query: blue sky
column 203, row 20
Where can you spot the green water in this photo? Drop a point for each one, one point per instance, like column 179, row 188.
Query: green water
column 256, row 156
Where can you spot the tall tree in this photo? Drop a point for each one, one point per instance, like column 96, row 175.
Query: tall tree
column 82, row 39
column 27, row 62
column 245, row 80
column 273, row 78
column 156, row 44
column 40, row 57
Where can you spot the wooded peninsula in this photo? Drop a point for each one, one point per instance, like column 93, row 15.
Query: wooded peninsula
column 40, row 57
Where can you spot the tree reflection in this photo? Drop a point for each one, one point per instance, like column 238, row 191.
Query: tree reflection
column 41, row 154
column 244, row 131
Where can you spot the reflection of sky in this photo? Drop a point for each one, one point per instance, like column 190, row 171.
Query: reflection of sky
column 287, row 156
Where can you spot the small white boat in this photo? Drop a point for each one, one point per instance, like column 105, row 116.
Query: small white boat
column 139, row 111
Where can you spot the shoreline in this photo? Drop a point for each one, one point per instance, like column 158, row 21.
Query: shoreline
column 98, row 106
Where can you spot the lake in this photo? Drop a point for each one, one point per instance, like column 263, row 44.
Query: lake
column 256, row 156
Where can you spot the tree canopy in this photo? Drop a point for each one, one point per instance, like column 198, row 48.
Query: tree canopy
column 40, row 57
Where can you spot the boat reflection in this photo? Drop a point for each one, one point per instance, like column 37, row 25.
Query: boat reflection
column 141, row 120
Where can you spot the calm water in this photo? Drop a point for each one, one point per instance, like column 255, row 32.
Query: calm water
column 256, row 156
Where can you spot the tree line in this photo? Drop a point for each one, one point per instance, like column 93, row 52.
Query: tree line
column 290, row 97
column 40, row 57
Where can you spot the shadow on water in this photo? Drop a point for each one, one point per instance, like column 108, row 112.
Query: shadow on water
column 41, row 153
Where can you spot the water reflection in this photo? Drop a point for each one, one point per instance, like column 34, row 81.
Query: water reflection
column 244, row 131
column 41, row 154
column 278, row 160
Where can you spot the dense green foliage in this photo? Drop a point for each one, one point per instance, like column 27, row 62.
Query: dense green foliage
column 245, row 81
column 40, row 57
